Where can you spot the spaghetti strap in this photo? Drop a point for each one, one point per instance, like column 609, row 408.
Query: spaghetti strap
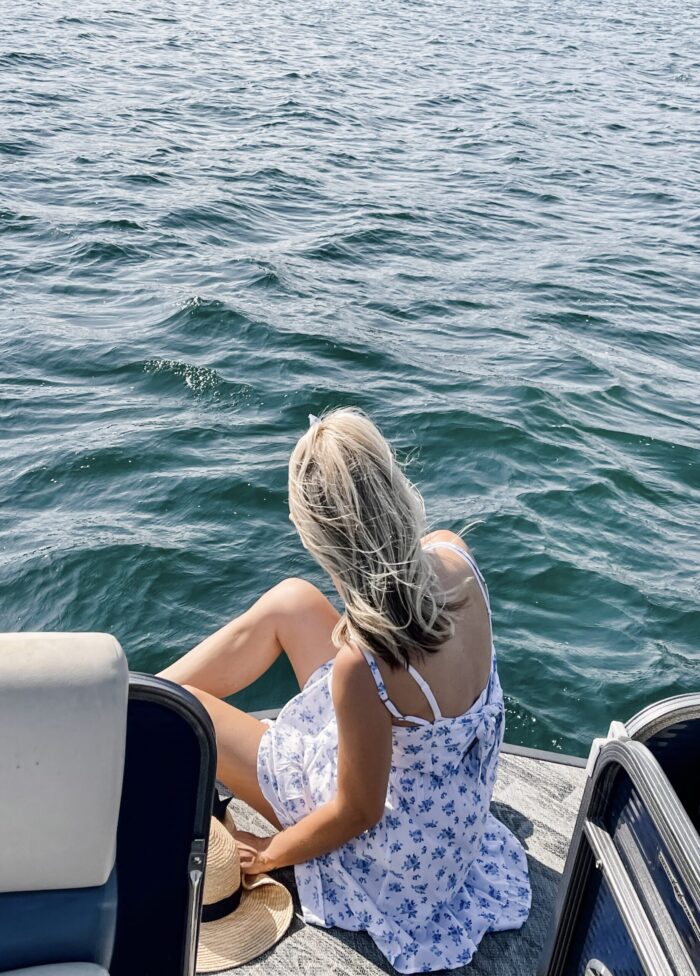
column 427, row 691
column 472, row 563
column 417, row 677
column 390, row 706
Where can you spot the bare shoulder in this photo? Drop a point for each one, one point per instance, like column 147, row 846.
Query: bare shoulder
column 450, row 567
column 355, row 693
column 444, row 535
column 351, row 675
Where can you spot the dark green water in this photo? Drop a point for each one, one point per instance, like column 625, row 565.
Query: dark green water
column 480, row 223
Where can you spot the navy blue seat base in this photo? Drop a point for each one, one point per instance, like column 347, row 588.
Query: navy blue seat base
column 42, row 927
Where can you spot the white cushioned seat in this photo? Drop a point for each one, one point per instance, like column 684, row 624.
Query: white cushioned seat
column 63, row 701
column 61, row 969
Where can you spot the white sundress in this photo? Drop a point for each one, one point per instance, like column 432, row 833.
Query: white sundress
column 438, row 871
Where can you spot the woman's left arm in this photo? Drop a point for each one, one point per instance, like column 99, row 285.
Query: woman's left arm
column 364, row 760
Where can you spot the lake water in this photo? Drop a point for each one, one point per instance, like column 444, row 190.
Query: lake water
column 478, row 222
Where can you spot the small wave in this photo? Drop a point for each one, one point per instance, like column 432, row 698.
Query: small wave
column 265, row 278
column 198, row 379
column 11, row 222
column 107, row 252
column 118, row 223
column 220, row 217
column 18, row 147
column 356, row 245
column 14, row 58
column 146, row 179
column 272, row 177
column 202, row 316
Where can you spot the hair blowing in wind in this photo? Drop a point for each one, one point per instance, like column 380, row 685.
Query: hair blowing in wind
column 361, row 518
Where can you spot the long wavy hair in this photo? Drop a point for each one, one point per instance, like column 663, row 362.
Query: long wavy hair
column 362, row 520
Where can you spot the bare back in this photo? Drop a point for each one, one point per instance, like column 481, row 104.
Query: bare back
column 459, row 671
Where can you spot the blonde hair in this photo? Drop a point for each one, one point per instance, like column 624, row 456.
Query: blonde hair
column 361, row 518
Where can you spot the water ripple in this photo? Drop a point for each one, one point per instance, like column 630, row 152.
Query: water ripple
column 482, row 228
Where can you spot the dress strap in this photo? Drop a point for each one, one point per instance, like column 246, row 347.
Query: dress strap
column 390, row 706
column 471, row 562
column 427, row 691
column 417, row 677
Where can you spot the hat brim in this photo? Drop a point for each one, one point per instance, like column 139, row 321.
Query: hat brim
column 261, row 919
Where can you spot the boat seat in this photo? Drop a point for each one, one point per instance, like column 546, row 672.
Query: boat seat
column 63, row 709
column 61, row 969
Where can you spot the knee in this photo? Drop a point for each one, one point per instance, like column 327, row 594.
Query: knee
column 196, row 692
column 293, row 595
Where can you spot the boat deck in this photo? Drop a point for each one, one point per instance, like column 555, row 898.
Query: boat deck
column 538, row 799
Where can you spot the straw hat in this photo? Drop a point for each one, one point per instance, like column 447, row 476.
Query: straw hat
column 239, row 920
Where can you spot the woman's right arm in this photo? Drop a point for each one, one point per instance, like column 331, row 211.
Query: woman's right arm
column 364, row 760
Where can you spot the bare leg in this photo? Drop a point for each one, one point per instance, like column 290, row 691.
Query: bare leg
column 238, row 738
column 293, row 616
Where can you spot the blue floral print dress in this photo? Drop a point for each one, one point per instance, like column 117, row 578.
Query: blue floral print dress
column 438, row 871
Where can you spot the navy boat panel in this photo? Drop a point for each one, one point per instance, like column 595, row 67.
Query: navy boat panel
column 669, row 902
column 677, row 750
column 169, row 779
column 601, row 933
column 66, row 925
column 630, row 893
column 670, row 729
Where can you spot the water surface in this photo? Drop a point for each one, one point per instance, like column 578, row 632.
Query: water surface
column 480, row 223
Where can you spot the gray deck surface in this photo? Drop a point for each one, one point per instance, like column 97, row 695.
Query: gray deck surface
column 538, row 800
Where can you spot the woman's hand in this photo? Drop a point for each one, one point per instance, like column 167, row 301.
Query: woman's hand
column 252, row 852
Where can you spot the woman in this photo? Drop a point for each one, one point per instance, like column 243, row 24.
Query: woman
column 379, row 773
